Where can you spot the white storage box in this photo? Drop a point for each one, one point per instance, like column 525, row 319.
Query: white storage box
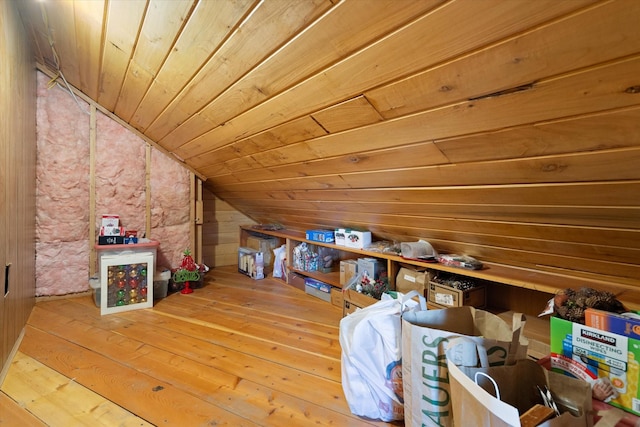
column 357, row 239
column 126, row 276
column 161, row 283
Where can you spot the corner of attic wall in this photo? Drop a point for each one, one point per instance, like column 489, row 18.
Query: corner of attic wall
column 64, row 184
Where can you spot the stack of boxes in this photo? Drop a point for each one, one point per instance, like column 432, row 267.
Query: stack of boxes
column 112, row 233
column 251, row 263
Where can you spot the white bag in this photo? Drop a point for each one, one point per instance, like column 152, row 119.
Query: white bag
column 371, row 342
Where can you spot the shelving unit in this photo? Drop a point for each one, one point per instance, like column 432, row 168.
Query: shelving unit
column 511, row 276
column 511, row 288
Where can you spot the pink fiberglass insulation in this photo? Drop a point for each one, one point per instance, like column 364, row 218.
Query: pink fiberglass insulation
column 120, row 174
column 170, row 184
column 62, row 214
column 63, row 189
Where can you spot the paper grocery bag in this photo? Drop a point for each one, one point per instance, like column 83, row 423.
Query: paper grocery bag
column 426, row 389
column 503, row 393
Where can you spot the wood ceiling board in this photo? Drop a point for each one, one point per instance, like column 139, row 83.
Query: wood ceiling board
column 261, row 33
column 60, row 18
column 611, row 239
column 387, row 59
column 285, row 134
column 622, row 129
column 612, row 195
column 408, row 156
column 598, row 89
column 120, row 39
column 162, row 24
column 350, row 114
column 608, row 130
column 206, row 29
column 583, row 167
column 89, row 28
column 549, row 50
column 603, row 217
column 328, row 41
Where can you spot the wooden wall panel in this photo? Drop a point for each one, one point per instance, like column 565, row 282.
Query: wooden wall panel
column 220, row 231
column 17, row 179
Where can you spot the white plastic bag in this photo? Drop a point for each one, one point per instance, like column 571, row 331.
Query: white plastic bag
column 371, row 342
column 279, row 260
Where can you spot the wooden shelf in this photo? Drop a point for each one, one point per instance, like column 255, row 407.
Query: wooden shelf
column 549, row 282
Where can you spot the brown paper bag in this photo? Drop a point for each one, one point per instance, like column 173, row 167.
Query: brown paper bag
column 425, row 376
column 474, row 401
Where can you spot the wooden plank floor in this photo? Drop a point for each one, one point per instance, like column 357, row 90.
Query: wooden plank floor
column 236, row 352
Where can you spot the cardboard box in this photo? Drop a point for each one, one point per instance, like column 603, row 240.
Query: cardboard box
column 357, row 239
column 409, row 279
column 111, row 231
column 336, row 297
column 296, row 280
column 266, row 245
column 445, row 296
column 597, row 356
column 340, row 236
column 317, row 289
column 353, row 299
column 325, row 236
column 110, row 220
column 372, row 266
column 612, row 322
column 348, row 269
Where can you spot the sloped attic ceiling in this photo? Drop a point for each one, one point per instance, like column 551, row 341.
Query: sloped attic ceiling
column 480, row 125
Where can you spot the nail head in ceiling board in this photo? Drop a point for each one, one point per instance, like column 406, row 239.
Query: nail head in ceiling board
column 207, row 27
column 124, row 19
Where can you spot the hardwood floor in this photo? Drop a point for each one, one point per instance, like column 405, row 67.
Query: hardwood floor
column 236, row 352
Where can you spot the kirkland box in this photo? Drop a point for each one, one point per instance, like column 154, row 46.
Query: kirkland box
column 325, row 236
column 445, row 296
column 608, row 361
column 613, row 322
column 317, row 289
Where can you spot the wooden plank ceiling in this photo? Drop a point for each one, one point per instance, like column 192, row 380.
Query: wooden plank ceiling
column 505, row 129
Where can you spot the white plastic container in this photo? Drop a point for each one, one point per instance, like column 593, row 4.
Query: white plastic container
column 161, row 283
column 126, row 275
